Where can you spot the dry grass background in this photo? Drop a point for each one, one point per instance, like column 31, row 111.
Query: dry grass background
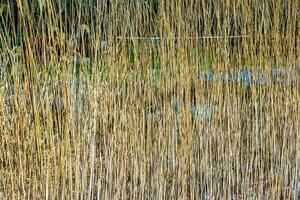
column 87, row 115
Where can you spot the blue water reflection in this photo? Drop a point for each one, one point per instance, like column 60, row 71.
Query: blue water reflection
column 248, row 77
column 278, row 75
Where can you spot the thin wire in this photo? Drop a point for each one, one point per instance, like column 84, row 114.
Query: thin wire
column 183, row 38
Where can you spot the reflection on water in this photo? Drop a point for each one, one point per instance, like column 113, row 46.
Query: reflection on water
column 284, row 77
column 278, row 75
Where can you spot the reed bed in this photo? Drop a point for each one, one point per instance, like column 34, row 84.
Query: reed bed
column 89, row 111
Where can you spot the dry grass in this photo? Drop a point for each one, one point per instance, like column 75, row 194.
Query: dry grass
column 87, row 115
